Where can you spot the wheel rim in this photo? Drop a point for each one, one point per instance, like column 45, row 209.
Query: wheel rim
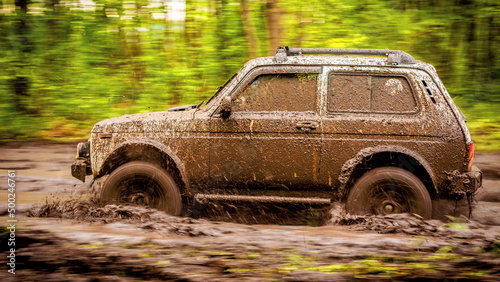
column 389, row 197
column 141, row 191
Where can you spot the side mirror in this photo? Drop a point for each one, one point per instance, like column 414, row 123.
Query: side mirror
column 225, row 107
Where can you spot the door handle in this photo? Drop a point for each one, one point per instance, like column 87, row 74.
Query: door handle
column 307, row 126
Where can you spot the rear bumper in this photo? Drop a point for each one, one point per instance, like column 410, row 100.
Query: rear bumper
column 464, row 183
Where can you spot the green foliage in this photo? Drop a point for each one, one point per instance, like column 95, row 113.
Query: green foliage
column 494, row 247
column 96, row 245
column 369, row 266
column 67, row 65
column 484, row 123
column 446, row 249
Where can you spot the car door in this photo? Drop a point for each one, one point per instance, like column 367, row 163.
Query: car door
column 271, row 140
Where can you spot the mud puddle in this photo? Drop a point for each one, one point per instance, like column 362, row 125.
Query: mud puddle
column 68, row 236
column 127, row 243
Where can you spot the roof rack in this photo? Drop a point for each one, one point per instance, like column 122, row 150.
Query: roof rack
column 393, row 56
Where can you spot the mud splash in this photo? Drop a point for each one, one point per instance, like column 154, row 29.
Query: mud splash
column 261, row 213
column 190, row 249
column 409, row 224
column 146, row 219
column 151, row 219
column 90, row 211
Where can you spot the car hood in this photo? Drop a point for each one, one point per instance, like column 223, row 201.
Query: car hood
column 147, row 122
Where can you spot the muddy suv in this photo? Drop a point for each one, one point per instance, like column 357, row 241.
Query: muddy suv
column 377, row 131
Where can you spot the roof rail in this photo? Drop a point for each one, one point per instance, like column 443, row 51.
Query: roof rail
column 393, row 56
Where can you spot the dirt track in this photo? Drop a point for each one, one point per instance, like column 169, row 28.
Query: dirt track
column 85, row 242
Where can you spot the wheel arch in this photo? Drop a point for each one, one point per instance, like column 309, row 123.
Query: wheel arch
column 374, row 157
column 150, row 151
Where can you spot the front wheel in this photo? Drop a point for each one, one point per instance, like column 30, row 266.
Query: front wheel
column 143, row 184
column 389, row 190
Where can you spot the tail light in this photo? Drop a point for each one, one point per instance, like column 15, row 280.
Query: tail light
column 470, row 156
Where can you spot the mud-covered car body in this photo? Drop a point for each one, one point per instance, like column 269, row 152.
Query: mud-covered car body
column 300, row 128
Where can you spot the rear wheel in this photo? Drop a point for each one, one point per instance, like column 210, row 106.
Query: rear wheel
column 389, row 190
column 143, row 184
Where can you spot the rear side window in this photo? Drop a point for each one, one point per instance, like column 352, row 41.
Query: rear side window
column 371, row 94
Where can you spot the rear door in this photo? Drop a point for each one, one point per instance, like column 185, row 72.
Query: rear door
column 369, row 107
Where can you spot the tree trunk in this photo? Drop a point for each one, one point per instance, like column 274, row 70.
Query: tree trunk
column 249, row 29
column 21, row 84
column 300, row 35
column 274, row 27
column 191, row 27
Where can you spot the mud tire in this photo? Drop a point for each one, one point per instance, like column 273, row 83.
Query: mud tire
column 143, row 184
column 388, row 190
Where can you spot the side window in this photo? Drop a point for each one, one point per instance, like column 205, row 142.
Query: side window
column 392, row 94
column 278, row 92
column 349, row 93
column 365, row 93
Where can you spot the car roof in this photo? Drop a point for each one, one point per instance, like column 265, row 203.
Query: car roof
column 339, row 57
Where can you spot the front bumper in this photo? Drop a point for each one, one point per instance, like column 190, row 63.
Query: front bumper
column 464, row 183
column 81, row 167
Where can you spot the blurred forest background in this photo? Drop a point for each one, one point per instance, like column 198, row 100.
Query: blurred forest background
column 68, row 64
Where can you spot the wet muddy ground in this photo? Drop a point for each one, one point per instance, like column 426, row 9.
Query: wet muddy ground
column 60, row 235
